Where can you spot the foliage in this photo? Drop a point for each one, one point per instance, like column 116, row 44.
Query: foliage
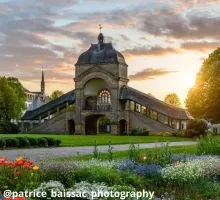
column 33, row 141
column 196, row 128
column 19, row 175
column 95, row 151
column 161, row 156
column 136, row 131
column 134, row 152
column 59, row 171
column 23, row 142
column 209, row 145
column 173, row 99
column 12, row 99
column 2, row 143
column 192, row 170
column 203, row 98
column 12, row 142
column 42, row 142
column 56, row 94
column 140, row 132
column 110, row 153
column 164, row 134
column 145, row 132
column 29, row 141
column 179, row 133
column 51, row 141
column 7, row 127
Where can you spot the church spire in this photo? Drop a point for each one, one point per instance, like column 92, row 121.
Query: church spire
column 42, row 83
column 101, row 38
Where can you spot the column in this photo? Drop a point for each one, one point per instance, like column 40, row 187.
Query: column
column 48, row 114
column 67, row 106
column 114, row 128
column 31, row 124
column 58, row 109
column 22, row 126
column 127, row 105
column 40, row 119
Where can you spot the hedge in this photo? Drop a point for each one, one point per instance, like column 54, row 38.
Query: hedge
column 21, row 142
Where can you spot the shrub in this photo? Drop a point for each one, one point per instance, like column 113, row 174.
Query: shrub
column 145, row 132
column 136, row 132
column 196, row 128
column 134, row 153
column 58, row 142
column 23, row 142
column 33, row 141
column 2, row 143
column 12, row 142
column 209, row 145
column 42, row 142
column 9, row 128
column 51, row 141
column 124, row 134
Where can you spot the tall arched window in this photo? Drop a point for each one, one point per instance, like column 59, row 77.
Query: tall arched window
column 104, row 97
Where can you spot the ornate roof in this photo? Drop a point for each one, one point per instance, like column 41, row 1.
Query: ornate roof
column 101, row 53
column 128, row 93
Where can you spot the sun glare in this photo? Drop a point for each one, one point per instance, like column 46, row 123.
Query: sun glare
column 188, row 79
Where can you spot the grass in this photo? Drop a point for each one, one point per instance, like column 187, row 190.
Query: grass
column 190, row 149
column 88, row 140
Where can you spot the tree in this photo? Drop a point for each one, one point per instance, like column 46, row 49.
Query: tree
column 196, row 128
column 11, row 105
column 203, row 98
column 56, row 94
column 173, row 99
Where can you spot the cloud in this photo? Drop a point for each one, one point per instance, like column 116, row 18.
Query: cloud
column 168, row 23
column 152, row 51
column 203, row 46
column 150, row 73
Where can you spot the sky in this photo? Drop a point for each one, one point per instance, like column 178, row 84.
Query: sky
column 164, row 42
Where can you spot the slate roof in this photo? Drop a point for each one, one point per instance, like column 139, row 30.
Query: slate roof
column 34, row 114
column 128, row 93
column 98, row 55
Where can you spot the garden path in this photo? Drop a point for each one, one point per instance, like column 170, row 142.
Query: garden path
column 43, row 153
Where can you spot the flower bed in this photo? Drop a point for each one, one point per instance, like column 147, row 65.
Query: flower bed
column 167, row 176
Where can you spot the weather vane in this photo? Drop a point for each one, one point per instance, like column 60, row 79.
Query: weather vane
column 100, row 27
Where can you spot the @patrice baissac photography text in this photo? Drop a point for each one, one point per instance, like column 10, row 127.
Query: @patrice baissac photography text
column 110, row 100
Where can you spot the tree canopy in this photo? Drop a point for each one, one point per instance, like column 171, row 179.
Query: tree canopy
column 12, row 98
column 203, row 99
column 173, row 99
column 56, row 94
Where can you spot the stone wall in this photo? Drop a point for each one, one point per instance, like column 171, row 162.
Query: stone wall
column 137, row 120
column 57, row 124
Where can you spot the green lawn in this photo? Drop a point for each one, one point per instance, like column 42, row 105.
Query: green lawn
column 190, row 149
column 86, row 140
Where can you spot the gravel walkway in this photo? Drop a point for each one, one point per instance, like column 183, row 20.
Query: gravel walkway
column 42, row 153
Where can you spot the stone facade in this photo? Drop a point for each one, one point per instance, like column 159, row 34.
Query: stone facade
column 101, row 78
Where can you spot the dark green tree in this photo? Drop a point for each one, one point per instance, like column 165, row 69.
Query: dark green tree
column 203, row 99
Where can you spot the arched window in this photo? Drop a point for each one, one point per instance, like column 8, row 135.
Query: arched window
column 104, row 97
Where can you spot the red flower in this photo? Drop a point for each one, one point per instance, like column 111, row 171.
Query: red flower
column 8, row 198
column 19, row 198
column 26, row 166
column 17, row 173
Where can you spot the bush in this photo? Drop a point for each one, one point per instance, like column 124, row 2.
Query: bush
column 209, row 145
column 12, row 142
column 2, row 143
column 124, row 134
column 145, row 132
column 136, row 132
column 42, row 142
column 9, row 128
column 23, row 142
column 51, row 141
column 196, row 128
column 33, row 141
column 58, row 142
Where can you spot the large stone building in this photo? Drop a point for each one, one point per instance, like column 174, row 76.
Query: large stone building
column 101, row 89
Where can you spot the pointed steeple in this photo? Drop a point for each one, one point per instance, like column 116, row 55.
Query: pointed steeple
column 42, row 83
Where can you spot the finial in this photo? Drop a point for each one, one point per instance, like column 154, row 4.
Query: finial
column 100, row 27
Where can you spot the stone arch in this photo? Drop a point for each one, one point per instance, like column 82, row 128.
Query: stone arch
column 92, row 123
column 107, row 77
column 122, row 126
column 71, row 126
